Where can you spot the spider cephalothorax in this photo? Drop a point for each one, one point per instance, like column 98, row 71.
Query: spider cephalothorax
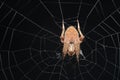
column 71, row 39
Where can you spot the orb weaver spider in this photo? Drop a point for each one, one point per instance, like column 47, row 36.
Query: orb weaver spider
column 71, row 39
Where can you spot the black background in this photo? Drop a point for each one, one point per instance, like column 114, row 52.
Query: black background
column 30, row 44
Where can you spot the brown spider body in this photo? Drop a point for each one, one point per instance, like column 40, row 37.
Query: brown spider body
column 71, row 35
column 71, row 40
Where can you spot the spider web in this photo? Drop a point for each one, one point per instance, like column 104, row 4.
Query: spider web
column 30, row 47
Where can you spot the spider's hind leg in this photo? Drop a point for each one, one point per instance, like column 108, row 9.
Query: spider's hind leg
column 77, row 56
column 81, row 53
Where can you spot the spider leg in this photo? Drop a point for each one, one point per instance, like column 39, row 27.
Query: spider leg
column 63, row 32
column 81, row 53
column 65, row 47
column 77, row 56
column 77, row 51
column 81, row 35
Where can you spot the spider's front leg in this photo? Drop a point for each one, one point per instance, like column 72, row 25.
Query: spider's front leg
column 63, row 32
column 65, row 47
column 81, row 35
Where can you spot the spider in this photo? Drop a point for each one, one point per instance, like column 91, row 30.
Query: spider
column 71, row 39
